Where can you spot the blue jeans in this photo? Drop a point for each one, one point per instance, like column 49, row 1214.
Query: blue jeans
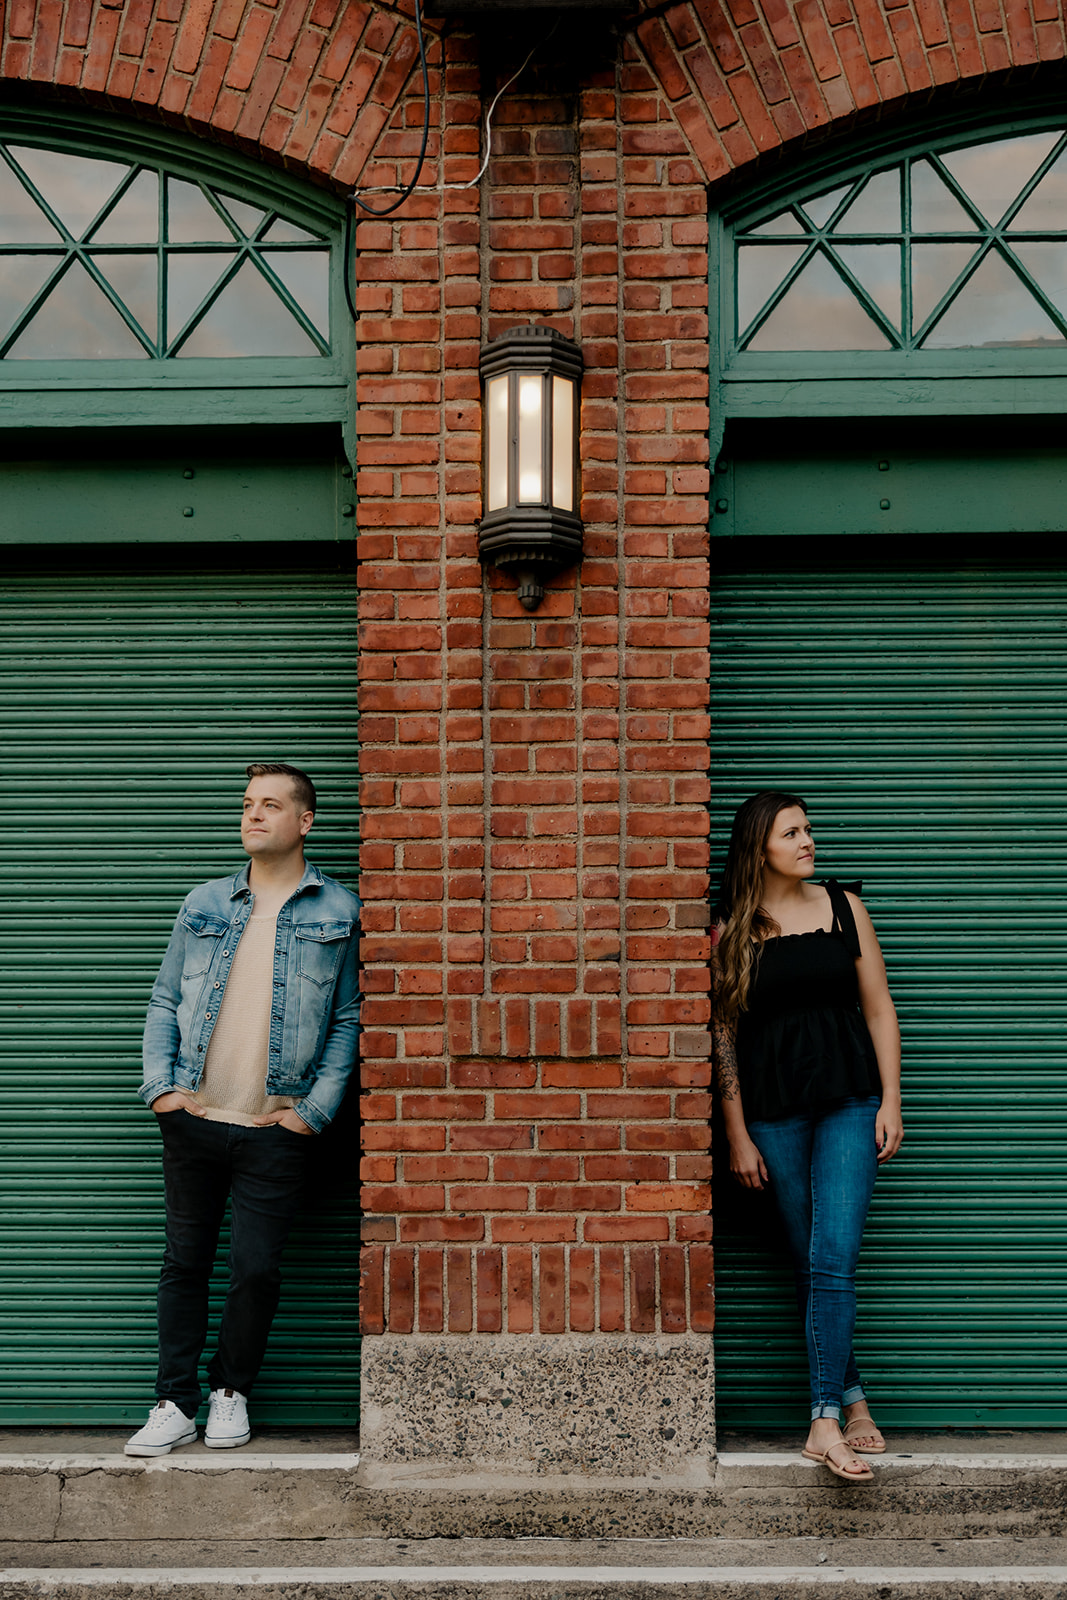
column 822, row 1166
column 263, row 1171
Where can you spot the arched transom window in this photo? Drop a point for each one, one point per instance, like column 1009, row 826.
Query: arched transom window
column 923, row 272
column 108, row 259
column 149, row 279
column 949, row 250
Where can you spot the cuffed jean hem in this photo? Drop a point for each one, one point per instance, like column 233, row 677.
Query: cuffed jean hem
column 849, row 1398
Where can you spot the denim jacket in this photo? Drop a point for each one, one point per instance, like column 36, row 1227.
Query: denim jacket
column 315, row 1022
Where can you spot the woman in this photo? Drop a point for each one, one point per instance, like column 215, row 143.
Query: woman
column 807, row 1055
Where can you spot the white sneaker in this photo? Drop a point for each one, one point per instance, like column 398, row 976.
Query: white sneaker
column 227, row 1420
column 165, row 1428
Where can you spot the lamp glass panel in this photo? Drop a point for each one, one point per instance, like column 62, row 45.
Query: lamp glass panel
column 531, row 406
column 563, row 443
column 496, row 451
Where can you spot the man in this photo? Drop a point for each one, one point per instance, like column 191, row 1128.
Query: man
column 250, row 1039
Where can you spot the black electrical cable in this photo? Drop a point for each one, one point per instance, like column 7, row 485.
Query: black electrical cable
column 347, row 264
column 388, row 210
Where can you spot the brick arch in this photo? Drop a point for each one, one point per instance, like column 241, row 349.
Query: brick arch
column 744, row 79
column 309, row 84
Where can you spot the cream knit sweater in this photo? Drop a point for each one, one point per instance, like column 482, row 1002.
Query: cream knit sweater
column 233, row 1088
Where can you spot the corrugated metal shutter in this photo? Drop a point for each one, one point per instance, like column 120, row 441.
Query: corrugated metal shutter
column 130, row 702
column 917, row 703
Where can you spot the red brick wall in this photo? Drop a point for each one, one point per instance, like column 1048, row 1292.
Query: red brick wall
column 523, row 1170
column 534, row 865
column 545, row 1205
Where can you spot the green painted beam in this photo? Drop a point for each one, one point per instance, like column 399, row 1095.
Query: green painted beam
column 186, row 500
column 894, row 490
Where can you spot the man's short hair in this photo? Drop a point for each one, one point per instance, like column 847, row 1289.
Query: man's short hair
column 303, row 788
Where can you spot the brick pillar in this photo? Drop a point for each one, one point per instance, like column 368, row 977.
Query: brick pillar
column 535, row 1066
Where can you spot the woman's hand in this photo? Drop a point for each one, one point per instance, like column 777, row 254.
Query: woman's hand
column 746, row 1164
column 888, row 1131
column 880, row 1016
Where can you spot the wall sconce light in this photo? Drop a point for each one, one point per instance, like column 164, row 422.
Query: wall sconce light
column 531, row 381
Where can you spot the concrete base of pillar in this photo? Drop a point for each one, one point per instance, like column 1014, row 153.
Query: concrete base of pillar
column 559, row 1421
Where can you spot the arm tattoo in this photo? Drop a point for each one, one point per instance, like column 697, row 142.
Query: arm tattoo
column 723, row 1051
column 724, row 1056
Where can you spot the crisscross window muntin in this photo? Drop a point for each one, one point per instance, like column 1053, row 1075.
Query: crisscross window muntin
column 958, row 247
column 105, row 257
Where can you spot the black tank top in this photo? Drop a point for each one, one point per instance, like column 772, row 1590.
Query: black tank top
column 802, row 1042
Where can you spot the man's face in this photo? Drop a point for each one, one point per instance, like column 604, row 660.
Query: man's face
column 272, row 823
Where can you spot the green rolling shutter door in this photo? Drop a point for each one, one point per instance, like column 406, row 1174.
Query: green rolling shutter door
column 131, row 698
column 919, row 705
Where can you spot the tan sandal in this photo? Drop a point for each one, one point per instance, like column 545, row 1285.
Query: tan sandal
column 861, row 1427
column 866, row 1476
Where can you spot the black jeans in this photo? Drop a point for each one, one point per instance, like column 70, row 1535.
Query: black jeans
column 263, row 1170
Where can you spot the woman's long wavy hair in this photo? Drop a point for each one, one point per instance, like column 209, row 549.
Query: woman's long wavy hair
column 744, row 922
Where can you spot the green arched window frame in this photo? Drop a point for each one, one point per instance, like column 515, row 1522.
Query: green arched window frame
column 154, row 255
column 897, row 251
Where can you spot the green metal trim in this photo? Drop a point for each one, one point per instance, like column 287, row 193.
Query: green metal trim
column 173, row 406
column 912, row 491
column 175, row 500
column 895, row 395
column 855, row 151
column 106, row 135
column 717, row 322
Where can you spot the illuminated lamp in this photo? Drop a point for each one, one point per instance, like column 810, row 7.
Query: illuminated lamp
column 531, row 381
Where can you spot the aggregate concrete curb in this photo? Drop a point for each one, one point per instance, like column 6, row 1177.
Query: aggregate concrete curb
column 538, row 1583
column 87, row 1497
column 74, row 1497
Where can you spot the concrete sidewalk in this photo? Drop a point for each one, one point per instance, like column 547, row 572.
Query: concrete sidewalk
column 558, row 1570
column 550, row 1555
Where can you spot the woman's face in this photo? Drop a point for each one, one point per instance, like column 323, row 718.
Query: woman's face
column 790, row 849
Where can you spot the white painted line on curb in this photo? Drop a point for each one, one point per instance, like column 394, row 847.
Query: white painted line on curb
column 198, row 1463
column 795, row 1577
column 1014, row 1463
column 347, row 1462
